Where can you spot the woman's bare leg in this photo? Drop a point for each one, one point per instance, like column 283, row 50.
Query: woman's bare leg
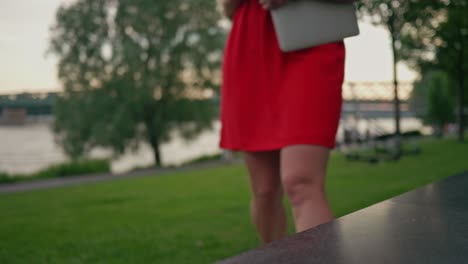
column 267, row 209
column 303, row 171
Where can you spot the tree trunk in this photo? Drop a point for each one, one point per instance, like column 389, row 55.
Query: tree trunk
column 396, row 98
column 155, row 145
column 439, row 130
column 156, row 151
column 461, row 99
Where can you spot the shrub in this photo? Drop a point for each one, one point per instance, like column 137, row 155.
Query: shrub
column 6, row 178
column 203, row 159
column 74, row 168
column 61, row 170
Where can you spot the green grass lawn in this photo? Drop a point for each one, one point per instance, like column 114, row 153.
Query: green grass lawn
column 196, row 217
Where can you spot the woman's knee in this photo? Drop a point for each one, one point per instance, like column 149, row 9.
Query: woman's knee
column 301, row 186
column 267, row 193
column 303, row 169
column 264, row 175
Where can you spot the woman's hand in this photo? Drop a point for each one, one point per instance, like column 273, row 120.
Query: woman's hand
column 272, row 4
column 229, row 7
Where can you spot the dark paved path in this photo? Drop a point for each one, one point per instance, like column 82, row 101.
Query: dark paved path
column 57, row 182
column 427, row 225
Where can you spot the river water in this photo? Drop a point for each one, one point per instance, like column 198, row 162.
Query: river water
column 28, row 148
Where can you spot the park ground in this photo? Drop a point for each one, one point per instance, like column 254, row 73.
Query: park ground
column 198, row 216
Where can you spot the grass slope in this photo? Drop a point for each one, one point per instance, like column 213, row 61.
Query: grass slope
column 196, row 217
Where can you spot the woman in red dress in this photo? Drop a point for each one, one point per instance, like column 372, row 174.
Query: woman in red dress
column 282, row 111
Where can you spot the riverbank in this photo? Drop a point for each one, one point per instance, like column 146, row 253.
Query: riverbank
column 35, row 184
column 198, row 214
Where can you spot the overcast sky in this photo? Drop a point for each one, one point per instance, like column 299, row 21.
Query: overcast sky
column 24, row 26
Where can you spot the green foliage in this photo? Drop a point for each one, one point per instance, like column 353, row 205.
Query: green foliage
column 6, row 178
column 442, row 44
column 451, row 51
column 135, row 70
column 432, row 100
column 428, row 35
column 204, row 159
column 199, row 216
column 418, row 98
column 440, row 104
column 74, row 168
column 400, row 18
column 394, row 16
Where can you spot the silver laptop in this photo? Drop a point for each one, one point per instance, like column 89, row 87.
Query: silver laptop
column 302, row 24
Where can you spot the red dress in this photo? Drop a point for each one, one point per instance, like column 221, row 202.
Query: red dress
column 271, row 99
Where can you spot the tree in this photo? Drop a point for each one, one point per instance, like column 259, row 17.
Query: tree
column 442, row 45
column 418, row 102
column 440, row 107
column 133, row 71
column 394, row 16
column 452, row 53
